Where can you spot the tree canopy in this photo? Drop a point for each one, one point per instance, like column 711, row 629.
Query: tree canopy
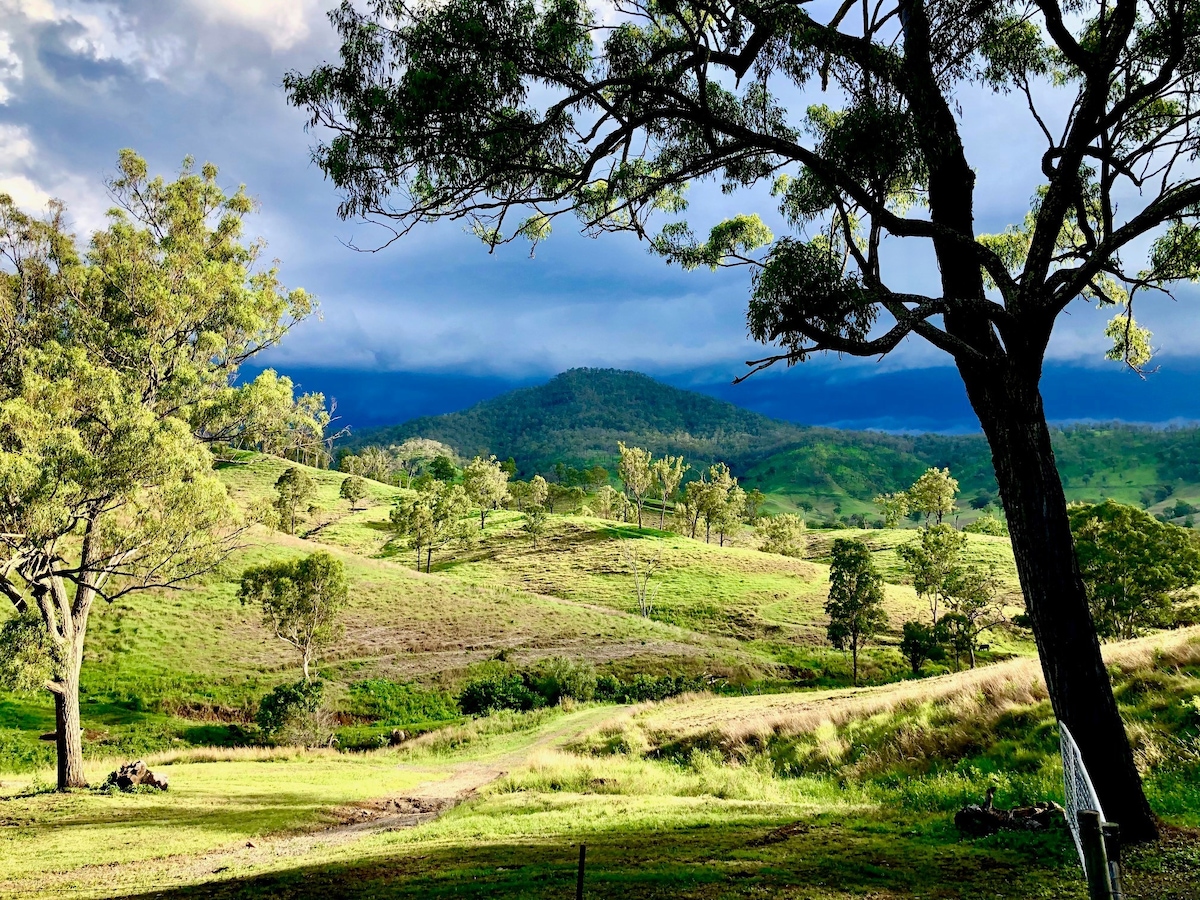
column 1133, row 566
column 118, row 362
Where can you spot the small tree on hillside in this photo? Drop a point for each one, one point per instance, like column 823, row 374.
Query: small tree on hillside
column 643, row 566
column 301, row 601
column 535, row 522
column 668, row 474
column 782, row 534
column 354, row 489
column 637, row 475
column 974, row 607
column 894, row 507
column 376, row 463
column 539, row 491
column 435, row 517
column 920, row 643
column 293, row 489
column 855, row 605
column 486, row 484
column 606, row 501
column 930, row 561
column 933, row 495
column 1133, row 566
column 754, row 504
column 442, row 468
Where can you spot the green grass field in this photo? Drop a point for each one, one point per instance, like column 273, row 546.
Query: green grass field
column 821, row 793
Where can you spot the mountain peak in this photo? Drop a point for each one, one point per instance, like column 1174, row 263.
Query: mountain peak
column 578, row 416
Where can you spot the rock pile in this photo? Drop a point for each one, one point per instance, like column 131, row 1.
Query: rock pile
column 135, row 774
column 983, row 820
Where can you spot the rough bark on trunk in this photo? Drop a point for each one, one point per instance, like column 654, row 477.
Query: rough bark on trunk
column 1009, row 405
column 68, row 730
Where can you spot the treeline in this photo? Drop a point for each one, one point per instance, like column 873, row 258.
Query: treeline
column 577, row 419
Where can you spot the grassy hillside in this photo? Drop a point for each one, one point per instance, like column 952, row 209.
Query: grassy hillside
column 578, row 417
column 187, row 667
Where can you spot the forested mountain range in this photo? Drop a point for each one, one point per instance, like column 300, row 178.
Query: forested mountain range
column 578, row 416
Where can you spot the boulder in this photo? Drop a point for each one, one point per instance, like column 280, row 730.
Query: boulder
column 135, row 774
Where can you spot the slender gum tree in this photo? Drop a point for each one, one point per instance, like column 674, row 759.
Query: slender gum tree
column 117, row 365
column 507, row 114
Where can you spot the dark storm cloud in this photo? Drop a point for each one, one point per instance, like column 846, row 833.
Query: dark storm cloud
column 79, row 80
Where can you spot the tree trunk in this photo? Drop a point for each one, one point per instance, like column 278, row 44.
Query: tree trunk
column 1009, row 405
column 854, row 656
column 68, row 731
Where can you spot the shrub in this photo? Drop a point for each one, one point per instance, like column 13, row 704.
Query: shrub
column 496, row 691
column 400, row 703
column 647, row 687
column 987, row 524
column 294, row 714
column 561, row 677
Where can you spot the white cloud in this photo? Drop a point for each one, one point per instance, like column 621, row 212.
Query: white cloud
column 25, row 176
column 11, row 68
column 284, row 23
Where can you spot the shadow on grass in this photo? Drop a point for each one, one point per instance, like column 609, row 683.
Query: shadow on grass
column 818, row 859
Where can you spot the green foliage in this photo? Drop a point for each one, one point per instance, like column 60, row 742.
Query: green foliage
column 535, row 523
column 987, row 524
column 496, row 691
column 486, row 485
column 559, row 677
column 353, row 489
column 933, row 494
column 920, row 643
column 291, row 711
column 432, row 519
column 301, row 601
column 783, row 534
column 118, row 366
column 1133, row 566
column 442, row 468
column 293, row 491
column 931, row 561
column 387, row 702
column 855, row 604
column 27, row 654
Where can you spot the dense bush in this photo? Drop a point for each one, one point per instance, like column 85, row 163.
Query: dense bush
column 398, row 703
column 293, row 713
column 560, row 678
column 495, row 691
column 647, row 687
column 987, row 524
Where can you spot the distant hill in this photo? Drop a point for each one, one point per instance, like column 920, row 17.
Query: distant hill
column 578, row 417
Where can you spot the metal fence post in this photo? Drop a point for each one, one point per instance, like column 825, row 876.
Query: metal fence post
column 1112, row 849
column 1095, row 859
column 579, row 880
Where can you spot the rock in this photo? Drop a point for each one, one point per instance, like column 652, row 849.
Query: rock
column 130, row 776
column 396, row 738
column 979, row 821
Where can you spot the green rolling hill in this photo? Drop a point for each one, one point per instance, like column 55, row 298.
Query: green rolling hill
column 577, row 418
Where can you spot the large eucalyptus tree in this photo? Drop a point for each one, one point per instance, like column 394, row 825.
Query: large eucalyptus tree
column 509, row 113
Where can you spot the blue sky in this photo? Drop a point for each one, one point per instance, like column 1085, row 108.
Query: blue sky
column 434, row 321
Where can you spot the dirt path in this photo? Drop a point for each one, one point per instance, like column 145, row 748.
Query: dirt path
column 429, row 800
column 447, row 786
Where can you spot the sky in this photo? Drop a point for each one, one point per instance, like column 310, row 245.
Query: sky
column 434, row 322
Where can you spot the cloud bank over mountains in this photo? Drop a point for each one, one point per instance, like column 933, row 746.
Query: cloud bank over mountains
column 80, row 80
